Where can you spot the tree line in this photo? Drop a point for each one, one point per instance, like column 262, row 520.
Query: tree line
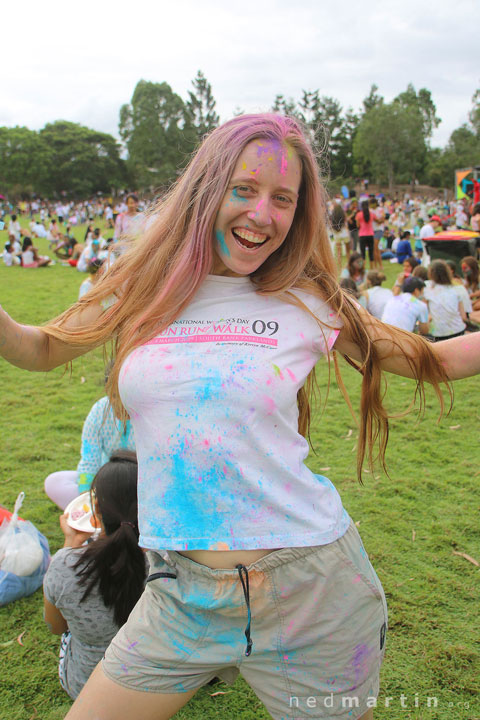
column 385, row 142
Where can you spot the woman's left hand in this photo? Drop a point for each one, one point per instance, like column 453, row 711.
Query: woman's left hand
column 73, row 538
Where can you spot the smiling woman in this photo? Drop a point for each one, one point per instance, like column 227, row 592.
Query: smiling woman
column 222, row 310
column 258, row 207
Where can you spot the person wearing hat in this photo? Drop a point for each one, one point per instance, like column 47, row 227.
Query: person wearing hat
column 431, row 227
column 405, row 310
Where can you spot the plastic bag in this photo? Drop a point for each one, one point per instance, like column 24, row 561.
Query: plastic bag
column 20, row 549
column 24, row 557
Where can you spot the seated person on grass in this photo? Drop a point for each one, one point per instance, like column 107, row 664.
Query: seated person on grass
column 90, row 588
column 102, row 433
column 405, row 310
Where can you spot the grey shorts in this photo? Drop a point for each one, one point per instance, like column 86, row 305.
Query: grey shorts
column 318, row 625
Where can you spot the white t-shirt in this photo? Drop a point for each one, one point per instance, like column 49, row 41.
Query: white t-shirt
column 443, row 303
column 213, row 404
column 463, row 295
column 426, row 231
column 377, row 298
column 7, row 258
column 28, row 258
column 403, row 311
column 85, row 287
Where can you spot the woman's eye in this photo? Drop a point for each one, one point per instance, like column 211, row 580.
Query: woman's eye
column 241, row 189
column 283, row 199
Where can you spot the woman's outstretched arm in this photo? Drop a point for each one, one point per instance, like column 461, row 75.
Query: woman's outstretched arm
column 30, row 348
column 397, row 349
column 460, row 356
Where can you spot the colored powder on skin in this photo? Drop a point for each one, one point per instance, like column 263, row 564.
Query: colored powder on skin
column 283, row 164
column 277, row 371
column 244, row 166
column 237, row 198
column 221, row 241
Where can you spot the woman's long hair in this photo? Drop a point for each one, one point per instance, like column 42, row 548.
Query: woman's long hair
column 473, row 278
column 366, row 211
column 439, row 273
column 337, row 218
column 114, row 562
column 160, row 272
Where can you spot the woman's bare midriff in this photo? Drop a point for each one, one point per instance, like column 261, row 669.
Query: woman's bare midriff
column 225, row 559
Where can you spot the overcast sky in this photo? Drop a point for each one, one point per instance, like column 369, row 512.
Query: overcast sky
column 80, row 61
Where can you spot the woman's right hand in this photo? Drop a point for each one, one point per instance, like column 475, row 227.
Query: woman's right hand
column 73, row 538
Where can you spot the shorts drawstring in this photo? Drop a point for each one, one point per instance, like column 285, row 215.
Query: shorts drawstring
column 242, row 570
column 155, row 576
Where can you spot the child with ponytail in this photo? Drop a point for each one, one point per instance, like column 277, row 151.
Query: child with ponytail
column 90, row 589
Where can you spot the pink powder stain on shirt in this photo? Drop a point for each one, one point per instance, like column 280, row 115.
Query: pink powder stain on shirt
column 292, row 376
column 288, row 487
column 269, row 404
column 290, row 625
column 168, row 367
column 206, row 443
column 357, row 579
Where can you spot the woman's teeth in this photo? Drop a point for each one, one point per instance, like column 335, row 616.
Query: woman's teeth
column 249, row 239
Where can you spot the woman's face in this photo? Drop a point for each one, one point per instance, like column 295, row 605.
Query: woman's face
column 257, row 209
column 407, row 268
column 132, row 205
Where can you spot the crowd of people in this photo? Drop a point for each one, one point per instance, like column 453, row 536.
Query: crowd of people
column 220, row 312
column 383, row 229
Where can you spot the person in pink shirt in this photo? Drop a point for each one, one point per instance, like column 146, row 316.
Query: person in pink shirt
column 365, row 220
column 127, row 222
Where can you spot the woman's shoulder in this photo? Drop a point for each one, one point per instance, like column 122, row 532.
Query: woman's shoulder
column 61, row 573
column 317, row 306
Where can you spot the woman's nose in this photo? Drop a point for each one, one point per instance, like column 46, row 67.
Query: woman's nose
column 261, row 214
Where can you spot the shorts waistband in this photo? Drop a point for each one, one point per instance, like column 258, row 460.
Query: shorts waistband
column 272, row 560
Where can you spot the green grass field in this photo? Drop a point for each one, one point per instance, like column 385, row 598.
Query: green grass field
column 412, row 524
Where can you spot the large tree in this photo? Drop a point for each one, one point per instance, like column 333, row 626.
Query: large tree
column 26, row 161
column 201, row 106
column 392, row 139
column 156, row 129
column 85, row 161
column 330, row 131
column 386, row 142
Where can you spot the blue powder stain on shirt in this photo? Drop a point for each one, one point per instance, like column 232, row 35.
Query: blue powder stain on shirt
column 195, row 500
column 221, row 241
